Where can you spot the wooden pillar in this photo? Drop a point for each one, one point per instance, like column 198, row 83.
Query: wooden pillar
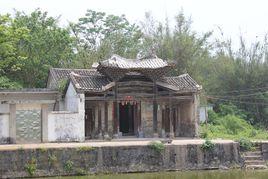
column 99, row 122
column 155, row 109
column 171, row 129
column 116, row 112
column 12, row 123
column 44, row 124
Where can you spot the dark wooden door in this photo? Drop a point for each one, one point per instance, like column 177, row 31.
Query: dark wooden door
column 89, row 123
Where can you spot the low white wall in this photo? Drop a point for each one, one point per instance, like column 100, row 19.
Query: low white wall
column 65, row 126
column 4, row 128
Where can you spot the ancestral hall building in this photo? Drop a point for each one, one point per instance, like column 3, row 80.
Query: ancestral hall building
column 118, row 97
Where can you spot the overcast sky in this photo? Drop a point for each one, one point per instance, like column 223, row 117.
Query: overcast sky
column 235, row 17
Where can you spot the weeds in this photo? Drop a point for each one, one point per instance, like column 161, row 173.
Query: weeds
column 157, row 146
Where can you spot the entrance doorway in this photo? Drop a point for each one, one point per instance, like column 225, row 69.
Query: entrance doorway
column 126, row 119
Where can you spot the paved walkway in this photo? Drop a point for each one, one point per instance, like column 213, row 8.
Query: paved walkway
column 114, row 142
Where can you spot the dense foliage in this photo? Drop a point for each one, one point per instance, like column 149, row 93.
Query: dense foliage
column 229, row 123
column 32, row 43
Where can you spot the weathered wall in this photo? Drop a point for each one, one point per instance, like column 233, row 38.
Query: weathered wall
column 70, row 161
column 187, row 120
column 147, row 118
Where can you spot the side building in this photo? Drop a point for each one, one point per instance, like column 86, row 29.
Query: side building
column 118, row 97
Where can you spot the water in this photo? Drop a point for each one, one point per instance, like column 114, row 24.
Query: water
column 215, row 174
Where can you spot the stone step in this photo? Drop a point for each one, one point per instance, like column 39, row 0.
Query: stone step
column 255, row 162
column 255, row 153
column 256, row 167
column 253, row 157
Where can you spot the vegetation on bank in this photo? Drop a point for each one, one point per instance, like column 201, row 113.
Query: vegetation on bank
column 229, row 123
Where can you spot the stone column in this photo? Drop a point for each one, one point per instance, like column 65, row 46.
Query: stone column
column 140, row 132
column 171, row 128
column 196, row 114
column 99, row 122
column 12, row 123
column 163, row 130
column 116, row 113
column 44, row 124
column 155, row 110
column 106, row 135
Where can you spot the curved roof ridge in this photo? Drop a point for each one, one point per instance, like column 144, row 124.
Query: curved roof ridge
column 66, row 69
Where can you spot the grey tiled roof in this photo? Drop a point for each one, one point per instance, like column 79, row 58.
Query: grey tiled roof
column 94, row 83
column 123, row 63
column 28, row 90
column 182, row 83
column 58, row 74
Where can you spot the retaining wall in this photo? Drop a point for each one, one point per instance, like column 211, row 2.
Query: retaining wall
column 115, row 159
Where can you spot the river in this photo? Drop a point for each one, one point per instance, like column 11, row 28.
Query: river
column 207, row 174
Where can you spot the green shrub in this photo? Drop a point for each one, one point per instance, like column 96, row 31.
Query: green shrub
column 31, row 167
column 207, row 145
column 68, row 166
column 80, row 171
column 213, row 117
column 245, row 144
column 231, row 109
column 157, row 146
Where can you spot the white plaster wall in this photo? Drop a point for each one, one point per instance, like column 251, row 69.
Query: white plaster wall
column 4, row 126
column 71, row 99
column 68, row 125
column 65, row 126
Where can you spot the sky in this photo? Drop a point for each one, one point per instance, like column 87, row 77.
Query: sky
column 234, row 17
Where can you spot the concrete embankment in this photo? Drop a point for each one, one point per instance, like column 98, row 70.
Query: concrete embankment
column 114, row 157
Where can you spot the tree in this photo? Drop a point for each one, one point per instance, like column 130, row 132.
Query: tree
column 11, row 59
column 47, row 45
column 99, row 36
column 181, row 44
